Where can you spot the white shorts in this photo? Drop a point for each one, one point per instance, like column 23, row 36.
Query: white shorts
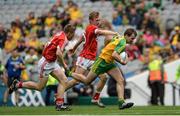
column 45, row 68
column 84, row 63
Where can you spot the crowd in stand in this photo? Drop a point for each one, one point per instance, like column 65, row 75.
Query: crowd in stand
column 30, row 35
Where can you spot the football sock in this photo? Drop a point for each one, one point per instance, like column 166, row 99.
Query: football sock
column 96, row 96
column 59, row 101
column 19, row 85
column 68, row 73
column 120, row 102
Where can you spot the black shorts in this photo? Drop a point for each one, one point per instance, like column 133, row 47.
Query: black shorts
column 11, row 79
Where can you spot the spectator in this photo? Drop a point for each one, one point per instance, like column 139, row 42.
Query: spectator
column 60, row 6
column 15, row 31
column 70, row 4
column 19, row 24
column 31, row 18
column 21, row 46
column 125, row 20
column 141, row 9
column 175, row 39
column 148, row 36
column 54, row 10
column 140, row 42
column 154, row 22
column 120, row 9
column 145, row 21
column 133, row 52
column 10, row 43
column 66, row 19
column 3, row 36
column 134, row 18
column 117, row 20
column 14, row 67
column 50, row 20
column 41, row 31
column 75, row 13
column 2, row 74
column 33, row 41
column 31, row 59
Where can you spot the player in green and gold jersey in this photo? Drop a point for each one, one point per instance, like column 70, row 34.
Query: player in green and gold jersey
column 105, row 64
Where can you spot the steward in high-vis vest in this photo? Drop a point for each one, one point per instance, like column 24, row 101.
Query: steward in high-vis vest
column 156, row 71
column 157, row 77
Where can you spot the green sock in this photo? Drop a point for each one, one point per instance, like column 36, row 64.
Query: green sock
column 70, row 73
column 120, row 102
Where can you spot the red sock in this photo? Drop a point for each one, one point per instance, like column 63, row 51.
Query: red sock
column 59, row 101
column 96, row 96
column 19, row 85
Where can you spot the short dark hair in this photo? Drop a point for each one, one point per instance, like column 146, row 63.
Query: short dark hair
column 69, row 28
column 93, row 15
column 130, row 31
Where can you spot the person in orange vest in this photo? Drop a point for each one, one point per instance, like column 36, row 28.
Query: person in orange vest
column 157, row 77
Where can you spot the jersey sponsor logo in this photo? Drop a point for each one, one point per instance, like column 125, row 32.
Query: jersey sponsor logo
column 28, row 98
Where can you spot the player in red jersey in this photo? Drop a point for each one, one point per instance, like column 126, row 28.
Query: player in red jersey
column 88, row 54
column 48, row 64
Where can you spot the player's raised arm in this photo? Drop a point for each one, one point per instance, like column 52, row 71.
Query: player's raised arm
column 105, row 32
column 72, row 51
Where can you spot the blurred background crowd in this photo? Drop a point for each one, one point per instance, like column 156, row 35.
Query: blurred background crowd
column 28, row 24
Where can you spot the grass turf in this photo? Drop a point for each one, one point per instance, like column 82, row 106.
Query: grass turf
column 92, row 110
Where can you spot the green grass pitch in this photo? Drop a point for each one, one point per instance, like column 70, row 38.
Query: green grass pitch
column 92, row 110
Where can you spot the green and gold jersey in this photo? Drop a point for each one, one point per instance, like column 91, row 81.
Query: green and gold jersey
column 117, row 44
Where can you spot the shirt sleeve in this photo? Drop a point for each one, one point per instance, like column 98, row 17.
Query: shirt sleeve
column 120, row 46
column 94, row 29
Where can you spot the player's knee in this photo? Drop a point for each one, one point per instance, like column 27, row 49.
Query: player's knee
column 103, row 79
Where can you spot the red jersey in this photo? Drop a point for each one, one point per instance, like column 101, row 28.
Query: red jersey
column 90, row 47
column 58, row 40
